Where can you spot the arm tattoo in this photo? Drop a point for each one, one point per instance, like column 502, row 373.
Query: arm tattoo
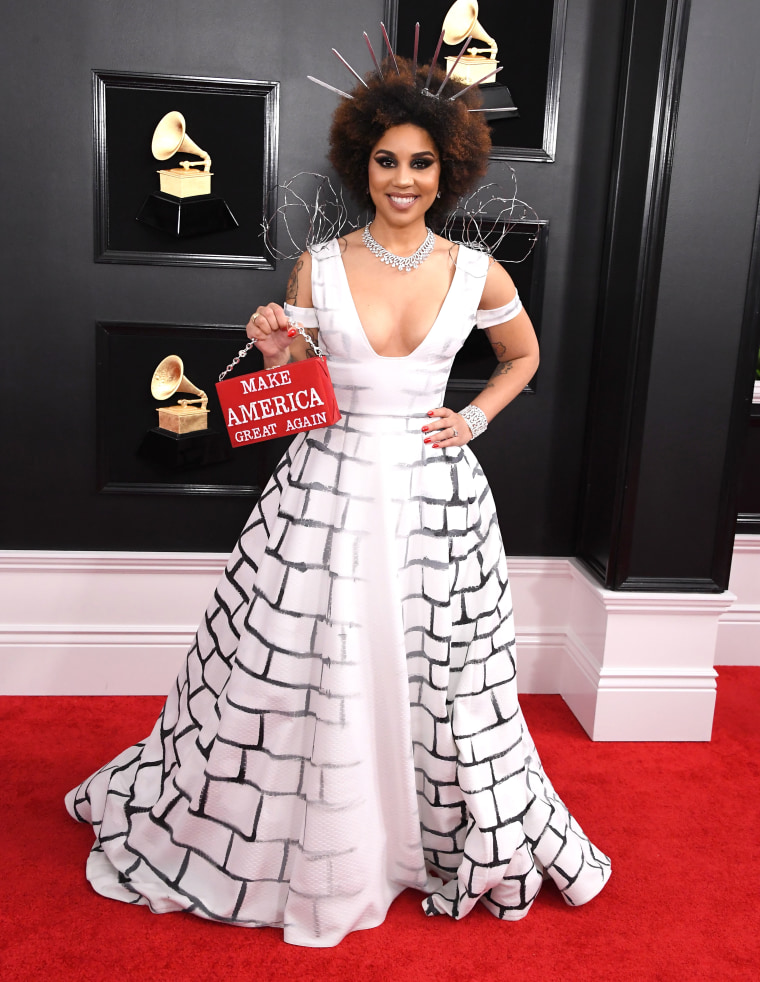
column 291, row 290
column 504, row 365
column 503, row 368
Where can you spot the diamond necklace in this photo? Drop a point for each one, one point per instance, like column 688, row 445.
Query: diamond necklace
column 405, row 263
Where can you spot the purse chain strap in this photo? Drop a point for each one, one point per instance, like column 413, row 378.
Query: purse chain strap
column 244, row 351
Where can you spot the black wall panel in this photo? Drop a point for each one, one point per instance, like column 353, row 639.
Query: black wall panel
column 702, row 359
column 674, row 355
column 749, row 485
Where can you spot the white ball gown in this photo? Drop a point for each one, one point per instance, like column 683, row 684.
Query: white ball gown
column 346, row 723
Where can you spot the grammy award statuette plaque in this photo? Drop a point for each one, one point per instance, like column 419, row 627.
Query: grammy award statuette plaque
column 477, row 65
column 182, row 438
column 184, row 206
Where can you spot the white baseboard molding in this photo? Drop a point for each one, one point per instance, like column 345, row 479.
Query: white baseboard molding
column 640, row 665
column 630, row 666
column 739, row 636
column 638, row 704
column 80, row 661
column 97, row 623
column 739, row 629
column 541, row 659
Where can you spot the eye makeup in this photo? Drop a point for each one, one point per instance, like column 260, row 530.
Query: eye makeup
column 419, row 161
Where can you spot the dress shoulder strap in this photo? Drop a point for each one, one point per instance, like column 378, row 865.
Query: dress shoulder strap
column 325, row 274
column 325, row 250
column 472, row 269
column 475, row 262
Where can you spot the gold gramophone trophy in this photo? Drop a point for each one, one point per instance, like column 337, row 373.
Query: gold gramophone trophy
column 185, row 205
column 477, row 65
column 170, row 137
column 182, row 440
column 186, row 416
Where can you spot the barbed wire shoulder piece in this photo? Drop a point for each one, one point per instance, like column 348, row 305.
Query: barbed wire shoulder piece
column 311, row 211
column 483, row 219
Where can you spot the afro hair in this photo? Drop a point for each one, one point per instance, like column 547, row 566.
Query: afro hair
column 460, row 136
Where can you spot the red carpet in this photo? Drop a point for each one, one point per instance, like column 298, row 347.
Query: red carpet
column 680, row 821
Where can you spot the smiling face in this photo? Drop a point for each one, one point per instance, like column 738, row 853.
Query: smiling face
column 403, row 174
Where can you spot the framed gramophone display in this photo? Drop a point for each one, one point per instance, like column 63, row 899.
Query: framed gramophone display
column 158, row 432
column 523, row 39
column 158, row 198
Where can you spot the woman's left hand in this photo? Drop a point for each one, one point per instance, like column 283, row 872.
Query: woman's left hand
column 446, row 429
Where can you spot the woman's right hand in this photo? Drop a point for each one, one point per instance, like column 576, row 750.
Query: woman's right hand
column 271, row 330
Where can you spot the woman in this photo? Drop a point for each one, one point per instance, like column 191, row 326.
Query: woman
column 346, row 724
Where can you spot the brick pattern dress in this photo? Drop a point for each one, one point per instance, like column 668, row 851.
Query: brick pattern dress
column 346, row 723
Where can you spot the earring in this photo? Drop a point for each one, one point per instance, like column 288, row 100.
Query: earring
column 438, row 194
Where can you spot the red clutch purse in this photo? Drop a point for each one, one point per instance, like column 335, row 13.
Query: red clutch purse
column 277, row 401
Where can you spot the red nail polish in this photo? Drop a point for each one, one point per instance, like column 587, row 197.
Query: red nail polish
column 292, row 332
column 424, row 429
column 436, row 446
column 427, row 439
column 431, row 413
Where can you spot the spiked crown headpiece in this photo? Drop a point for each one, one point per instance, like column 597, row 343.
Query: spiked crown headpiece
column 392, row 57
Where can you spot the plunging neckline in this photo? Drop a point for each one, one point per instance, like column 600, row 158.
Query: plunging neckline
column 430, row 330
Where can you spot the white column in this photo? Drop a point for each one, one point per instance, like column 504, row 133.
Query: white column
column 640, row 665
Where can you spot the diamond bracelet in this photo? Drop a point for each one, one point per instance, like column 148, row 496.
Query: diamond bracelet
column 475, row 419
